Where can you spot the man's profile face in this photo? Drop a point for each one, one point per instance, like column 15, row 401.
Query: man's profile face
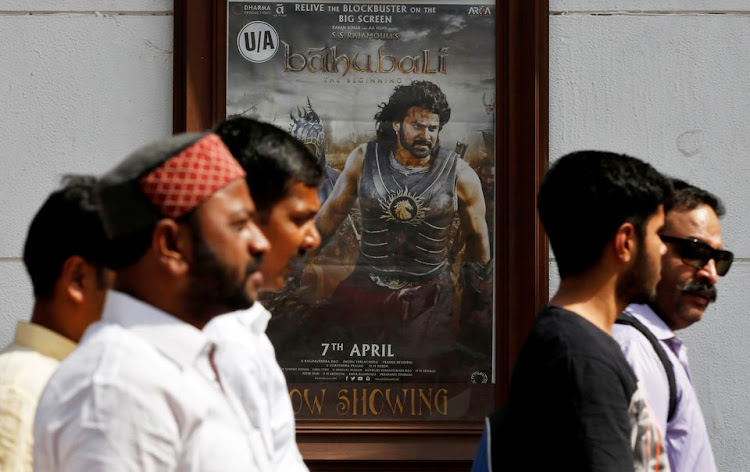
column 639, row 284
column 418, row 131
column 684, row 292
column 227, row 254
column 291, row 228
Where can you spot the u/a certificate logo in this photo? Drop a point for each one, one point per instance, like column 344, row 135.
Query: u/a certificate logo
column 258, row 41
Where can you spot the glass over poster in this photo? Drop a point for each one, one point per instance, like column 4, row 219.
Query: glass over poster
column 392, row 318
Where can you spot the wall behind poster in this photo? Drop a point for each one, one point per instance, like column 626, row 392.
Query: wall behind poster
column 682, row 106
column 335, row 63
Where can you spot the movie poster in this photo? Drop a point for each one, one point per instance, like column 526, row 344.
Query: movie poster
column 393, row 317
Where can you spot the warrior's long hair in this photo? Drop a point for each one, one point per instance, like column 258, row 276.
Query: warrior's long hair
column 422, row 94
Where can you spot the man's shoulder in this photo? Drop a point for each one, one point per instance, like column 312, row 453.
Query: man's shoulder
column 363, row 148
column 627, row 335
column 355, row 160
column 564, row 339
column 239, row 324
column 464, row 171
column 25, row 369
column 633, row 331
column 646, row 316
column 631, row 339
column 557, row 325
column 23, row 375
column 111, row 371
column 234, row 339
column 368, row 151
column 223, row 326
column 639, row 353
column 111, row 357
column 568, row 355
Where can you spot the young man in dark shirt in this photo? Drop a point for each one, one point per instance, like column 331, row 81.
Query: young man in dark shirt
column 574, row 402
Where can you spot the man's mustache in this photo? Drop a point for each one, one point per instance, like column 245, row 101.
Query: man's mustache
column 299, row 260
column 253, row 266
column 421, row 142
column 700, row 288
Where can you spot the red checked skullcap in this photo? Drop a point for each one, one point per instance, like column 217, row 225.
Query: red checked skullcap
column 180, row 184
column 166, row 178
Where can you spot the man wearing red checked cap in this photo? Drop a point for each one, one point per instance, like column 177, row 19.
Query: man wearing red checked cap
column 142, row 391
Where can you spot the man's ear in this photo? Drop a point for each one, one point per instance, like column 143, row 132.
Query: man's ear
column 396, row 126
column 171, row 242
column 73, row 280
column 625, row 242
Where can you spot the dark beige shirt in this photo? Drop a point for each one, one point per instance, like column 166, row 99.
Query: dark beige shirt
column 25, row 367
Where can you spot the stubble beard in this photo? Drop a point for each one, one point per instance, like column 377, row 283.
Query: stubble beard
column 214, row 287
column 411, row 146
column 638, row 285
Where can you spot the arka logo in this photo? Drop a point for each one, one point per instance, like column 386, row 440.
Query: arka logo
column 480, row 11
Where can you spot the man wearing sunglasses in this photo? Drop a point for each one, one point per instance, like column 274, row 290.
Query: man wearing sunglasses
column 690, row 269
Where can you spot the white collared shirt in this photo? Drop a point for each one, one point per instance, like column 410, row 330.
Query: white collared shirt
column 25, row 367
column 140, row 394
column 247, row 362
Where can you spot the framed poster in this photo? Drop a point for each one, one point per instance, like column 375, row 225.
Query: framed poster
column 400, row 334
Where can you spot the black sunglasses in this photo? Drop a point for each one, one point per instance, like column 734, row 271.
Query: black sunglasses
column 696, row 253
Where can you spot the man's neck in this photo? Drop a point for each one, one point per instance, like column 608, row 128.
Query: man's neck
column 591, row 299
column 170, row 305
column 145, row 283
column 406, row 159
column 45, row 314
column 660, row 313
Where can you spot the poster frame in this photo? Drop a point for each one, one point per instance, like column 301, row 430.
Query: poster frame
column 521, row 257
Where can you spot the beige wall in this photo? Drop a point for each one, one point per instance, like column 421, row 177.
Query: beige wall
column 668, row 81
column 82, row 83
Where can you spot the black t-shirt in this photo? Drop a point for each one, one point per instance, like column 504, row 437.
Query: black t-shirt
column 575, row 403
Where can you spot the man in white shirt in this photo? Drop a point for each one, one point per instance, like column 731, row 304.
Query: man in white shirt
column 64, row 256
column 142, row 391
column 283, row 178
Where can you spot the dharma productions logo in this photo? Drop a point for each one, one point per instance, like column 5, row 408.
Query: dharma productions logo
column 258, row 41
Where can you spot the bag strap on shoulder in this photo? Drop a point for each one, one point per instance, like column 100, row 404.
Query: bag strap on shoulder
column 659, row 349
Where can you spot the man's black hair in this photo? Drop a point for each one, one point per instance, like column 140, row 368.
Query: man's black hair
column 68, row 224
column 127, row 250
column 689, row 197
column 587, row 195
column 272, row 158
column 420, row 93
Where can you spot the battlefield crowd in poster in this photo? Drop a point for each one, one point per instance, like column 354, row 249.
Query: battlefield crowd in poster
column 393, row 317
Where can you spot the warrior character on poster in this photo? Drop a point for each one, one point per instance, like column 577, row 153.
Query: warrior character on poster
column 393, row 100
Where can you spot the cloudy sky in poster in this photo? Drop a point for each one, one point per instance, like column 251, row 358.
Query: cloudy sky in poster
column 347, row 107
